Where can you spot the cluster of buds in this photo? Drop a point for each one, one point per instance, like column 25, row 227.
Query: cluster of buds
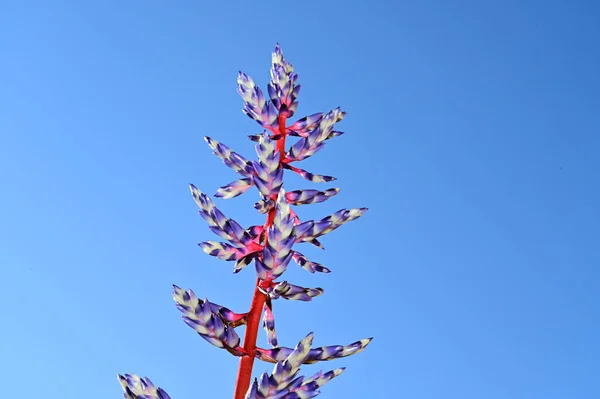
column 270, row 246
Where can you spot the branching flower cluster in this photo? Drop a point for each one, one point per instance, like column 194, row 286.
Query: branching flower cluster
column 270, row 247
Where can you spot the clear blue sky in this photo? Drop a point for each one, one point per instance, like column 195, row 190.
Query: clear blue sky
column 472, row 136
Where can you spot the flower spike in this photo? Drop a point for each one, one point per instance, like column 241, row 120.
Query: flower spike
column 208, row 321
column 308, row 175
column 303, row 127
column 269, row 173
column 256, row 107
column 280, row 238
column 315, row 140
column 242, row 242
column 230, row 158
column 330, row 223
column 308, row 265
column 285, row 290
column 235, row 188
column 324, row 353
column 307, row 197
column 282, row 88
column 284, row 382
column 221, row 225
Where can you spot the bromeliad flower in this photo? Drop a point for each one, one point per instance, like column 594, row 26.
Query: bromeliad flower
column 284, row 382
column 303, row 127
column 244, row 243
column 285, row 290
column 281, row 235
column 315, row 140
column 329, row 223
column 323, row 353
column 269, row 173
column 308, row 265
column 307, row 197
column 212, row 322
column 230, row 158
column 218, row 223
column 255, row 106
column 283, row 90
column 308, row 175
column 270, row 245
column 236, row 162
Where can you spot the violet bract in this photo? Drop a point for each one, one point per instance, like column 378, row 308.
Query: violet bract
column 271, row 246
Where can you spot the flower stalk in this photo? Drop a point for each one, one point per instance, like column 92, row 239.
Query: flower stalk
column 244, row 374
column 269, row 246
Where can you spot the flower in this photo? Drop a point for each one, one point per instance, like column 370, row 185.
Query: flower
column 284, row 382
column 282, row 88
column 323, row 353
column 212, row 322
column 270, row 246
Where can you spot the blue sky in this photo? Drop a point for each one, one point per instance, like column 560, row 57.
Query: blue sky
column 472, row 136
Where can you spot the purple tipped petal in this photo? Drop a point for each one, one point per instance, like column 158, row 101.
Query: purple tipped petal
column 235, row 188
column 269, row 326
column 305, row 197
column 308, row 265
column 135, row 387
column 221, row 250
column 310, row 176
column 289, row 291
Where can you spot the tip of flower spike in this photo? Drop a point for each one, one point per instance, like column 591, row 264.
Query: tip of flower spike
column 211, row 142
column 336, row 372
column 361, row 211
column 196, row 193
column 364, row 343
column 277, row 53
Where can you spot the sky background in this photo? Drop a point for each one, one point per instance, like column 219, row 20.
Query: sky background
column 472, row 135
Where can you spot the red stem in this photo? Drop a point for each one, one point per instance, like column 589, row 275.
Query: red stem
column 244, row 374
